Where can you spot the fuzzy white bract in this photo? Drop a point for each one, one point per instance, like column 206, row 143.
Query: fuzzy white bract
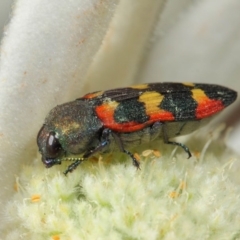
column 171, row 197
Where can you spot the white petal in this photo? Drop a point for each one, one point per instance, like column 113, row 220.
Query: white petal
column 44, row 56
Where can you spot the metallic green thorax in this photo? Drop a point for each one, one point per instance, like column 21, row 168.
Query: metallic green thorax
column 75, row 125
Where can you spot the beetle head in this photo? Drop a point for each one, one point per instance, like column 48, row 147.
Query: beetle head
column 69, row 129
column 49, row 146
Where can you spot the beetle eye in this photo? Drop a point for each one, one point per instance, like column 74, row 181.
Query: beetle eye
column 53, row 147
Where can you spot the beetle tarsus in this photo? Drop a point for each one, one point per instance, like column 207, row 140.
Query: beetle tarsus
column 134, row 160
column 184, row 147
column 72, row 166
column 122, row 149
column 166, row 141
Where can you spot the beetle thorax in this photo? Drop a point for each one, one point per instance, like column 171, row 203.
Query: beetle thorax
column 76, row 125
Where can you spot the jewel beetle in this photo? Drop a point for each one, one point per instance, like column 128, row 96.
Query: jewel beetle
column 127, row 117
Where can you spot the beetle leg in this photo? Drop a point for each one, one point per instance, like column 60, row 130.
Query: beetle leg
column 104, row 142
column 120, row 145
column 72, row 166
column 165, row 138
column 181, row 128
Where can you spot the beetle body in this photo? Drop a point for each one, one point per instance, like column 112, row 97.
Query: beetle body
column 128, row 117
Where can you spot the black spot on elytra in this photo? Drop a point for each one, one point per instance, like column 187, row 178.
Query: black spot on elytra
column 216, row 92
column 180, row 104
column 130, row 110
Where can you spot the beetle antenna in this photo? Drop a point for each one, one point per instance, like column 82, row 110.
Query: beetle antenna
column 73, row 159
